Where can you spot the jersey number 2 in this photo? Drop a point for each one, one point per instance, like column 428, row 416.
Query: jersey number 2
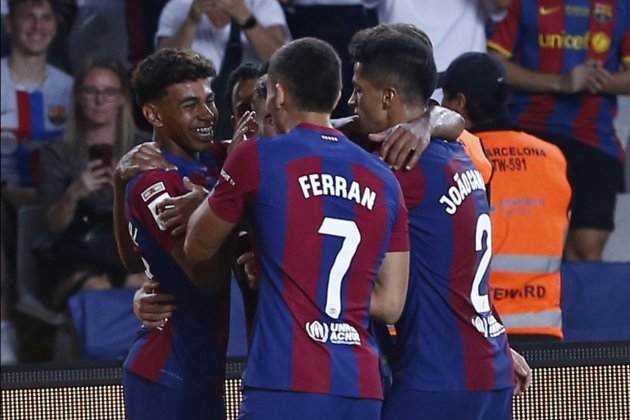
column 349, row 231
column 480, row 302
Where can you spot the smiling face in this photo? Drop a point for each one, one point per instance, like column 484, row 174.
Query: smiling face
column 367, row 102
column 33, row 26
column 187, row 116
column 100, row 96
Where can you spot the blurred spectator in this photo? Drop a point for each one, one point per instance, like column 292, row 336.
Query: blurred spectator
column 98, row 29
column 567, row 62
column 529, row 199
column 76, row 188
column 142, row 23
column 226, row 32
column 454, row 26
column 34, row 97
column 34, row 103
column 334, row 21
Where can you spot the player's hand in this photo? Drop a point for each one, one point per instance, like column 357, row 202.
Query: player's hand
column 174, row 212
column 246, row 128
column 248, row 261
column 522, row 373
column 153, row 309
column 143, row 157
column 402, row 145
column 94, row 177
column 446, row 124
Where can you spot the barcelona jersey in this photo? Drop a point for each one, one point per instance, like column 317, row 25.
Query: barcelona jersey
column 554, row 36
column 325, row 212
column 449, row 337
column 191, row 346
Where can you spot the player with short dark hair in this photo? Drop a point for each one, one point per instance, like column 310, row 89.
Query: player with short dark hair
column 330, row 232
column 453, row 358
column 176, row 371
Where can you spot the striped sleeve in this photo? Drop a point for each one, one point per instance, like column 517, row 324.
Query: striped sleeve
column 504, row 39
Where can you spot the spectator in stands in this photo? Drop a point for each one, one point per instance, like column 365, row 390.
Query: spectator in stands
column 454, row 26
column 34, row 103
column 142, row 23
column 530, row 197
column 76, row 187
column 567, row 61
column 34, row 96
column 335, row 22
column 226, row 32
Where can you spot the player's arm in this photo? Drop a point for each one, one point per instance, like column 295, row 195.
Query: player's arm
column 390, row 289
column 211, row 223
column 205, row 233
column 403, row 144
column 143, row 157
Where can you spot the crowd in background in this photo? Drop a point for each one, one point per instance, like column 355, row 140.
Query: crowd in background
column 68, row 113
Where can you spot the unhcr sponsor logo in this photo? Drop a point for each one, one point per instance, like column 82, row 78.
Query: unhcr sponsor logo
column 334, row 333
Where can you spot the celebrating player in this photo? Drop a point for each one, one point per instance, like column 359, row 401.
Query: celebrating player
column 454, row 361
column 330, row 232
column 176, row 371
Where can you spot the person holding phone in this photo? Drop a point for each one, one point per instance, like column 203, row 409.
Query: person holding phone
column 76, row 188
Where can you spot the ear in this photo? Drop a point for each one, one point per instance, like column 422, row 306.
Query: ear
column 281, row 96
column 388, row 98
column 459, row 103
column 152, row 114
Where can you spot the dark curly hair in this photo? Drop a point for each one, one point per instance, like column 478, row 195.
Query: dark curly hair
column 397, row 55
column 167, row 67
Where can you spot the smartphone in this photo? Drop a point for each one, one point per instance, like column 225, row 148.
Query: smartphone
column 102, row 152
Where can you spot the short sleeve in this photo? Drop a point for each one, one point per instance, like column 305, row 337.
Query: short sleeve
column 399, row 241
column 144, row 195
column 269, row 13
column 504, row 39
column 171, row 19
column 237, row 184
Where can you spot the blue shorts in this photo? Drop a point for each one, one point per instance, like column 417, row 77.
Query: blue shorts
column 261, row 404
column 403, row 404
column 150, row 400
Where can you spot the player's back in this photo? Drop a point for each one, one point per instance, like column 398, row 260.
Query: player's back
column 325, row 211
column 192, row 344
column 448, row 338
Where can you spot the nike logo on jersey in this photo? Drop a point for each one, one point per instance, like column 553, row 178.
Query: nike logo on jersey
column 544, row 11
column 464, row 184
column 314, row 185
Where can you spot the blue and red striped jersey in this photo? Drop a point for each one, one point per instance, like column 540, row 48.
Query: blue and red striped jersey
column 192, row 345
column 554, row 36
column 448, row 336
column 324, row 212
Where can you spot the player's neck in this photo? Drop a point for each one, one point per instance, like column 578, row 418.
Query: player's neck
column 295, row 118
column 169, row 145
column 406, row 113
column 27, row 69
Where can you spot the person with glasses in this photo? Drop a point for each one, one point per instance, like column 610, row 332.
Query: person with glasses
column 76, row 188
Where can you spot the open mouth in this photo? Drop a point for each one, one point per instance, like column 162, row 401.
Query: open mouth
column 204, row 132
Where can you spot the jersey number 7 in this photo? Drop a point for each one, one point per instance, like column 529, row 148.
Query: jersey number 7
column 349, row 231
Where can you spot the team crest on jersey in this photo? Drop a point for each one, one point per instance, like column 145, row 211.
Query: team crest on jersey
column 602, row 12
column 335, row 333
column 152, row 190
column 57, row 114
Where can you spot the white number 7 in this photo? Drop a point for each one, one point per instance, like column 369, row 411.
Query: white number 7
column 349, row 231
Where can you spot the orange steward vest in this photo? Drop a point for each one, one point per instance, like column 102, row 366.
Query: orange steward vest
column 529, row 203
column 474, row 150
